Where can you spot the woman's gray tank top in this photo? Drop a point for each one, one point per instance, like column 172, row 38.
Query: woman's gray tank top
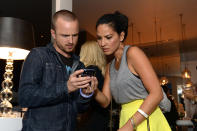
column 124, row 85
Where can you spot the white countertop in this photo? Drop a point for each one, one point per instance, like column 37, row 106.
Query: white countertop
column 10, row 124
column 184, row 123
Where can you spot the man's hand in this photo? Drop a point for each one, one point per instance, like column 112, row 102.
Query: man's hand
column 76, row 81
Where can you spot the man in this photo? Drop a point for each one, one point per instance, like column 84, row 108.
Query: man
column 50, row 80
column 172, row 116
column 189, row 100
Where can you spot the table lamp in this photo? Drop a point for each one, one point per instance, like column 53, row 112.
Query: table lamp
column 16, row 39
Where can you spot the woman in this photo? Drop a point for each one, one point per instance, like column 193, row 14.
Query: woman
column 129, row 78
column 96, row 118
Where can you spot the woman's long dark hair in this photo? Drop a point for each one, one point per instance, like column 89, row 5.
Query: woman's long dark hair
column 117, row 20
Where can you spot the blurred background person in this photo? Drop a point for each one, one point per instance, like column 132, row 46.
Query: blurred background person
column 172, row 116
column 96, row 118
column 189, row 101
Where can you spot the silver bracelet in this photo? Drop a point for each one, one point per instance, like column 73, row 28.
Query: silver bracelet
column 133, row 123
column 142, row 112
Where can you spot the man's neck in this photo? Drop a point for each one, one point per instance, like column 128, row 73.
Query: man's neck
column 67, row 55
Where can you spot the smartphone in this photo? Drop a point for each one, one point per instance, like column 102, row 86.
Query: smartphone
column 88, row 72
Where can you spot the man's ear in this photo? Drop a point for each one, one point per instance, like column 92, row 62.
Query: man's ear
column 53, row 33
column 122, row 35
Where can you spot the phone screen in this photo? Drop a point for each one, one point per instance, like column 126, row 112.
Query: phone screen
column 88, row 72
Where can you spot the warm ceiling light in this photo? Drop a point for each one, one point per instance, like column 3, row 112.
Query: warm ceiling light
column 163, row 80
column 188, row 84
column 186, row 73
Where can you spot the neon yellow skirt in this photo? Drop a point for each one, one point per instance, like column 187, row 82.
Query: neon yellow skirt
column 157, row 120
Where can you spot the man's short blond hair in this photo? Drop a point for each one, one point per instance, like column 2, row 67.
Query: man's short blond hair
column 65, row 14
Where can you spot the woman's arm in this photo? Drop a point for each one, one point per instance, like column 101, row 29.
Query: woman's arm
column 139, row 64
column 104, row 97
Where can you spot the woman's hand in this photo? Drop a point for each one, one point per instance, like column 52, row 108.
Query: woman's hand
column 127, row 127
column 92, row 87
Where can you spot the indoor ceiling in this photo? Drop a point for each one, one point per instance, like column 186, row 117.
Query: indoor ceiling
column 169, row 50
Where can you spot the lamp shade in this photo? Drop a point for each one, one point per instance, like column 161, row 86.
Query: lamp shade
column 16, row 37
